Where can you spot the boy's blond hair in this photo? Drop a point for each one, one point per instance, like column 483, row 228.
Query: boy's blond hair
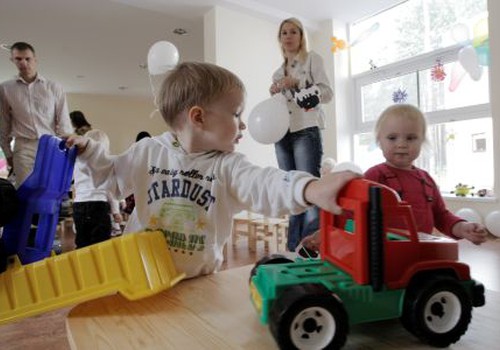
column 406, row 111
column 302, row 54
column 193, row 84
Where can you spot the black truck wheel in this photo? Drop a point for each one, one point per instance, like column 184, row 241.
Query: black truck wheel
column 437, row 311
column 269, row 259
column 308, row 317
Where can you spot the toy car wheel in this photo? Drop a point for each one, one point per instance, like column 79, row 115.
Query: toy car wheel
column 438, row 311
column 308, row 317
column 269, row 259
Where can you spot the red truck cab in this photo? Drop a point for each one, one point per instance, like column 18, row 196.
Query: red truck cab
column 403, row 251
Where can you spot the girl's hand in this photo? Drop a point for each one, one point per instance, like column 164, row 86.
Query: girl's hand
column 471, row 231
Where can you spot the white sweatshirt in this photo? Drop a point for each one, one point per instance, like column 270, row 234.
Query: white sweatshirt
column 192, row 198
column 85, row 191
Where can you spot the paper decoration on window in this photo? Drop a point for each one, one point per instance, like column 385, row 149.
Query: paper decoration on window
column 479, row 142
column 437, row 71
column 399, row 96
column 337, row 44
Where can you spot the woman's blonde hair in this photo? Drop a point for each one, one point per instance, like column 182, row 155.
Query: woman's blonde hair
column 406, row 111
column 302, row 54
column 194, row 84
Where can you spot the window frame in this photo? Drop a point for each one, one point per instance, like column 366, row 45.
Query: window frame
column 408, row 66
column 414, row 65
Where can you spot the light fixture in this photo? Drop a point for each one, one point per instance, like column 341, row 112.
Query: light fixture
column 180, row 31
column 5, row 46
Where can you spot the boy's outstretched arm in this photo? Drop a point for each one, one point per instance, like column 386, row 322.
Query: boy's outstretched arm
column 80, row 142
column 323, row 192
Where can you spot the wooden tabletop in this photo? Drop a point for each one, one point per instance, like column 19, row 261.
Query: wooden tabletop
column 215, row 312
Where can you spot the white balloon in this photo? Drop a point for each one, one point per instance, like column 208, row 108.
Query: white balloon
column 476, row 73
column 492, row 222
column 470, row 215
column 350, row 166
column 460, row 33
column 162, row 57
column 467, row 57
column 269, row 120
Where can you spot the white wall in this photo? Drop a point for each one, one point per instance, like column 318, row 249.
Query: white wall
column 320, row 42
column 121, row 118
column 248, row 47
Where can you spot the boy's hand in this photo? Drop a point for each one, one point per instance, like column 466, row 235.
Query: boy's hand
column 80, row 142
column 323, row 192
column 471, row 231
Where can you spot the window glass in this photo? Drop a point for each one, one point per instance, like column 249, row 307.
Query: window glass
column 413, row 28
column 460, row 152
column 378, row 96
column 453, row 154
column 366, row 151
column 435, row 55
column 454, row 90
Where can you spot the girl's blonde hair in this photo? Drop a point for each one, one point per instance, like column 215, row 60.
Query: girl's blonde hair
column 406, row 111
column 99, row 136
column 302, row 54
column 194, row 84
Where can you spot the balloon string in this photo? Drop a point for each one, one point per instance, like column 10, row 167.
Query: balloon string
column 153, row 113
column 155, row 102
column 153, row 91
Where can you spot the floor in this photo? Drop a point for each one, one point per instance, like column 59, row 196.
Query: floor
column 47, row 331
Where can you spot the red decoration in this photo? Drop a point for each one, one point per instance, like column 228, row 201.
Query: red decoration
column 437, row 71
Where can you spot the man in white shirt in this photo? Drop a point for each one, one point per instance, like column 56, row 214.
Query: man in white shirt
column 30, row 106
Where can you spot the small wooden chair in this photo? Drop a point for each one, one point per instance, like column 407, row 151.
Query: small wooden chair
column 272, row 231
column 241, row 228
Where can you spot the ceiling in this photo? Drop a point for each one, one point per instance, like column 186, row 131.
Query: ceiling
column 99, row 46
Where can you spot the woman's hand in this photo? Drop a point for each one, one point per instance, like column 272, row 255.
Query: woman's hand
column 286, row 83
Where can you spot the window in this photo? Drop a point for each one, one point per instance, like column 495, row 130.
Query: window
column 413, row 28
column 448, row 79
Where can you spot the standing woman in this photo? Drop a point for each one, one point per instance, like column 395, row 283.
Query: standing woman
column 303, row 81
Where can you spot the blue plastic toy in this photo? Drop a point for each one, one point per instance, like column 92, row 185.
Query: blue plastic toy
column 41, row 194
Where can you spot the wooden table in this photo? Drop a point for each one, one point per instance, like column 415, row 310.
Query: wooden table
column 215, row 312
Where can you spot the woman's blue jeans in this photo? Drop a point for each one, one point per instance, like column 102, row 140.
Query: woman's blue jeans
column 301, row 150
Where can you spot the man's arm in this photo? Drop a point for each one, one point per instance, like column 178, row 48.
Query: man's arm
column 63, row 123
column 5, row 127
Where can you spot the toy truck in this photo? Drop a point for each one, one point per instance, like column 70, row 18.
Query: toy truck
column 373, row 266
column 33, row 280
